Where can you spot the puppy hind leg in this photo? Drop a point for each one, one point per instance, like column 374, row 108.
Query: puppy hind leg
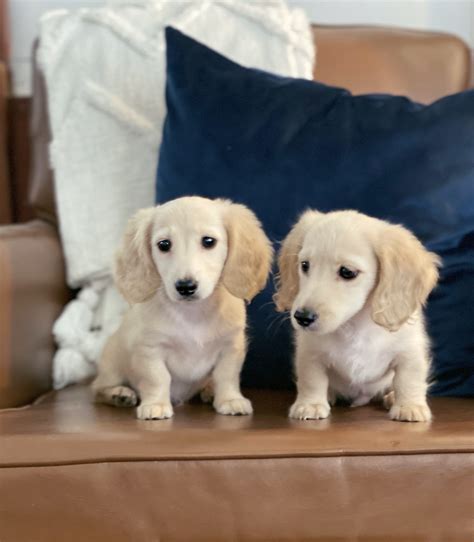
column 207, row 392
column 389, row 399
column 118, row 396
column 108, row 387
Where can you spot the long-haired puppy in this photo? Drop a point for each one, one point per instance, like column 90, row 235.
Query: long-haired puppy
column 355, row 286
column 186, row 268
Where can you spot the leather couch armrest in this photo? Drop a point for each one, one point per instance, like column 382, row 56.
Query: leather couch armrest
column 33, row 292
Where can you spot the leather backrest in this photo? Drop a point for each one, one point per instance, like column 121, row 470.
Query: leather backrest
column 41, row 193
column 421, row 65
column 6, row 214
column 424, row 66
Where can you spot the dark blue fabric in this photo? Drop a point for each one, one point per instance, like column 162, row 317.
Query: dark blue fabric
column 280, row 145
column 450, row 316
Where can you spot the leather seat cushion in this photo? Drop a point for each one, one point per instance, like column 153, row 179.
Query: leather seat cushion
column 67, row 427
column 96, row 472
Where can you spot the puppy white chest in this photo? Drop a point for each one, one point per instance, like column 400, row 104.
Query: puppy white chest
column 190, row 358
column 359, row 356
column 192, row 361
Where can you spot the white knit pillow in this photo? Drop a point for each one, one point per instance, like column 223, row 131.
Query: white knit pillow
column 105, row 76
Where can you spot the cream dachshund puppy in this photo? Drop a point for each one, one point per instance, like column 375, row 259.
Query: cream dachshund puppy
column 186, row 267
column 355, row 287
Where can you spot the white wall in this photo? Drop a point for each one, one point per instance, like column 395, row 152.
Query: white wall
column 454, row 16
column 24, row 16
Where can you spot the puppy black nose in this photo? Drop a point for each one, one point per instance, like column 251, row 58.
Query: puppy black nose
column 186, row 287
column 304, row 317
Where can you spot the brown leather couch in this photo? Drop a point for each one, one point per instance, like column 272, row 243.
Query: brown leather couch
column 72, row 470
column 5, row 195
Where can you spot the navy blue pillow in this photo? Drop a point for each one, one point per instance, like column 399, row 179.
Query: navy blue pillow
column 280, row 145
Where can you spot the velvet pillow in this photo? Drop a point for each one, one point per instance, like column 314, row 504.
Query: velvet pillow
column 280, row 145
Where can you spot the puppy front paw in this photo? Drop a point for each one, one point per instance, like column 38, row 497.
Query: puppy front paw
column 155, row 411
column 240, row 406
column 309, row 411
column 410, row 412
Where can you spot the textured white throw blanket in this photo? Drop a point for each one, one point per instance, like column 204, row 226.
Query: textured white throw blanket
column 105, row 75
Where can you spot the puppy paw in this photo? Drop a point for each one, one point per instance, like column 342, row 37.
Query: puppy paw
column 122, row 396
column 156, row 411
column 389, row 400
column 240, row 406
column 308, row 411
column 207, row 394
column 410, row 412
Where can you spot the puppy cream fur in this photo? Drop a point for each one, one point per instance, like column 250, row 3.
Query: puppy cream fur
column 368, row 338
column 168, row 346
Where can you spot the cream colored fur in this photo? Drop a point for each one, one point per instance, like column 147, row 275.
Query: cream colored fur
column 167, row 347
column 369, row 339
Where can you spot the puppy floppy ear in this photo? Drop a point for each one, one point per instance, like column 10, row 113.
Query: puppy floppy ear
column 250, row 252
column 287, row 281
column 407, row 274
column 135, row 272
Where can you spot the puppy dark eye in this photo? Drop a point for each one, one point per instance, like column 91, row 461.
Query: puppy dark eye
column 208, row 242
column 164, row 245
column 347, row 274
column 304, row 266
